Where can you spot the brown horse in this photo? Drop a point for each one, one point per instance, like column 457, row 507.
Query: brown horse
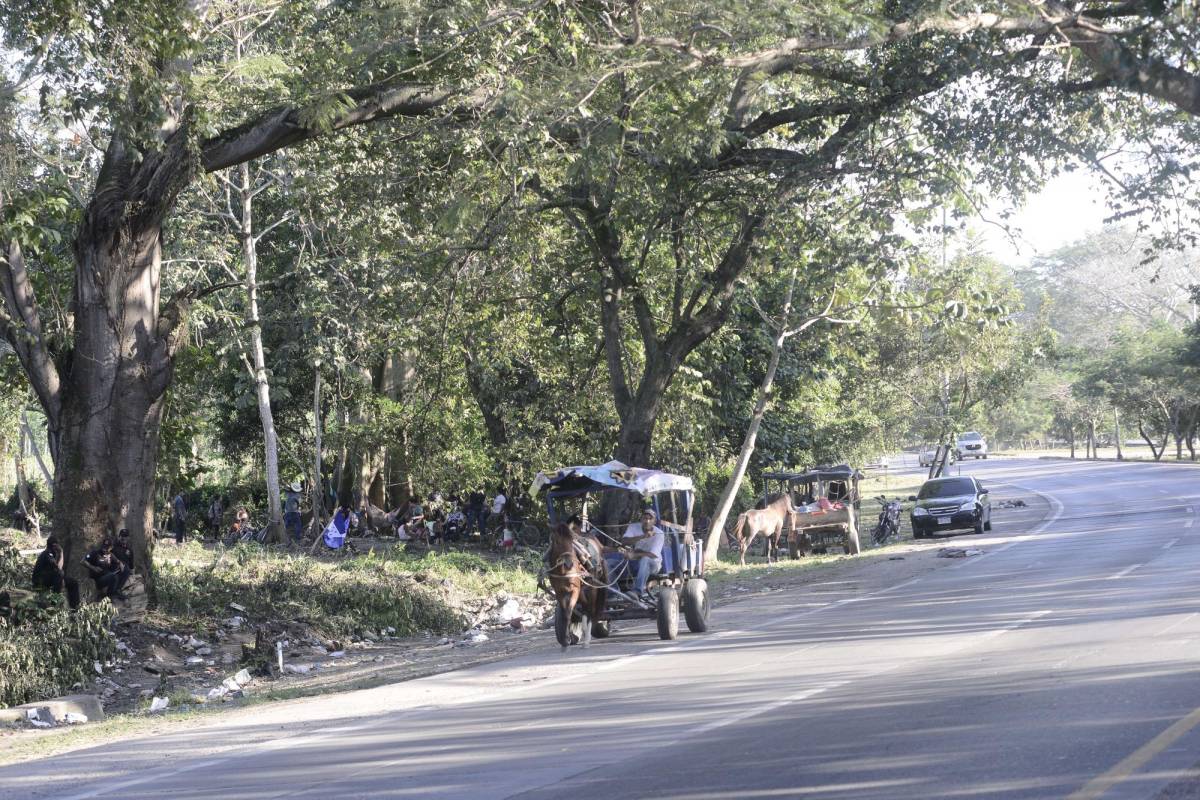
column 771, row 521
column 579, row 578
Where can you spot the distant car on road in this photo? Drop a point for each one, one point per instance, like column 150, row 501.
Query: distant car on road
column 928, row 454
column 972, row 444
column 951, row 504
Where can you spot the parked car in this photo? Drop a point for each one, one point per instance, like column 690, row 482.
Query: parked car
column 945, row 504
column 972, row 444
column 928, row 454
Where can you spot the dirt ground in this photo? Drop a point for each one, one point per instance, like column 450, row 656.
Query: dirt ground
column 154, row 661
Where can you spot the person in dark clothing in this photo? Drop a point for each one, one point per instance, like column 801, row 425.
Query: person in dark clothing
column 48, row 573
column 123, row 550
column 108, row 571
column 476, row 515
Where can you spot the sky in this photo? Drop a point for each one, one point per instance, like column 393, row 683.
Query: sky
column 1068, row 207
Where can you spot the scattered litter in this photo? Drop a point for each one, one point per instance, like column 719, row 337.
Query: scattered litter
column 194, row 661
column 338, row 654
column 96, row 666
column 475, row 637
column 193, row 643
column 37, row 723
column 230, row 685
column 74, row 718
column 957, row 552
column 204, row 651
column 297, row 669
column 216, row 693
column 160, row 704
column 1018, row 503
column 243, row 677
column 233, row 622
column 237, row 607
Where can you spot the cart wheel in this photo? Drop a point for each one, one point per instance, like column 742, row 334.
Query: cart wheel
column 793, row 548
column 530, row 534
column 668, row 613
column 695, row 605
column 852, row 546
column 567, row 633
column 601, row 629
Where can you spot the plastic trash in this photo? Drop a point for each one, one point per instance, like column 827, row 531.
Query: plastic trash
column 159, row 704
column 74, row 718
column 243, row 677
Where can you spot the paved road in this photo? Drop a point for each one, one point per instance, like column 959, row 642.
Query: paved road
column 1062, row 663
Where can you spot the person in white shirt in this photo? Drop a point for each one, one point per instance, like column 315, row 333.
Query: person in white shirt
column 646, row 540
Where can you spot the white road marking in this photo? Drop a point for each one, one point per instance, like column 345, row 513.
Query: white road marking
column 1177, row 623
column 1125, row 571
column 1171, row 543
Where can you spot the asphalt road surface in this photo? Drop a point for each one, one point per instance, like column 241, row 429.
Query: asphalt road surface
column 1062, row 663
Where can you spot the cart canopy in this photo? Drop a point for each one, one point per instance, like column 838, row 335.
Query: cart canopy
column 838, row 472
column 606, row 477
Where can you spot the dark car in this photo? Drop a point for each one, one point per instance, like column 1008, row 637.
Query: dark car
column 945, row 504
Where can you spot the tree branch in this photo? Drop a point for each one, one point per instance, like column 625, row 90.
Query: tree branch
column 23, row 330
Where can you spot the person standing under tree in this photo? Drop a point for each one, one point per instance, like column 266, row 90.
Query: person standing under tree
column 291, row 511
column 179, row 518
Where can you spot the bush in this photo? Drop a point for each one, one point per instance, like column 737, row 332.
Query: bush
column 47, row 649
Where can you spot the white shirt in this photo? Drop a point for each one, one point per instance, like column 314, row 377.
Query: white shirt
column 498, row 503
column 653, row 545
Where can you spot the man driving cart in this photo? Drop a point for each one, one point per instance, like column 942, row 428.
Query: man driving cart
column 642, row 543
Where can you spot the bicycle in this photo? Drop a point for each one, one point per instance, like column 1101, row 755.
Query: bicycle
column 889, row 520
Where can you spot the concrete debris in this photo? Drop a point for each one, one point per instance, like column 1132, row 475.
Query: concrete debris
column 230, row 685
column 234, row 622
column 204, row 651
column 159, row 704
column 193, row 643
column 243, row 677
column 475, row 637
column 216, row 693
column 338, row 654
column 509, row 611
column 37, row 723
column 72, row 718
column 297, row 669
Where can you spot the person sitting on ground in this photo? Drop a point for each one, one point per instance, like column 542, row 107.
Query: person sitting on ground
column 123, row 550
column 48, row 573
column 108, row 572
column 415, row 524
column 646, row 540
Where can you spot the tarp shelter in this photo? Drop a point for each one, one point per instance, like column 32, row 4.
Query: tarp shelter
column 613, row 475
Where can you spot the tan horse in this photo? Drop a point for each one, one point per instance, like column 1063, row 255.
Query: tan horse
column 771, row 521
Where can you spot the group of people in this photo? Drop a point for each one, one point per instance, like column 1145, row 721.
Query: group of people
column 453, row 517
column 109, row 565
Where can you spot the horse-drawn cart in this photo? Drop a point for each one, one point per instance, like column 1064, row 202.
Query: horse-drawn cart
column 824, row 506
column 679, row 584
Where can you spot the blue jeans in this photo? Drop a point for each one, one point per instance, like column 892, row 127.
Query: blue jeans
column 646, row 566
column 291, row 521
